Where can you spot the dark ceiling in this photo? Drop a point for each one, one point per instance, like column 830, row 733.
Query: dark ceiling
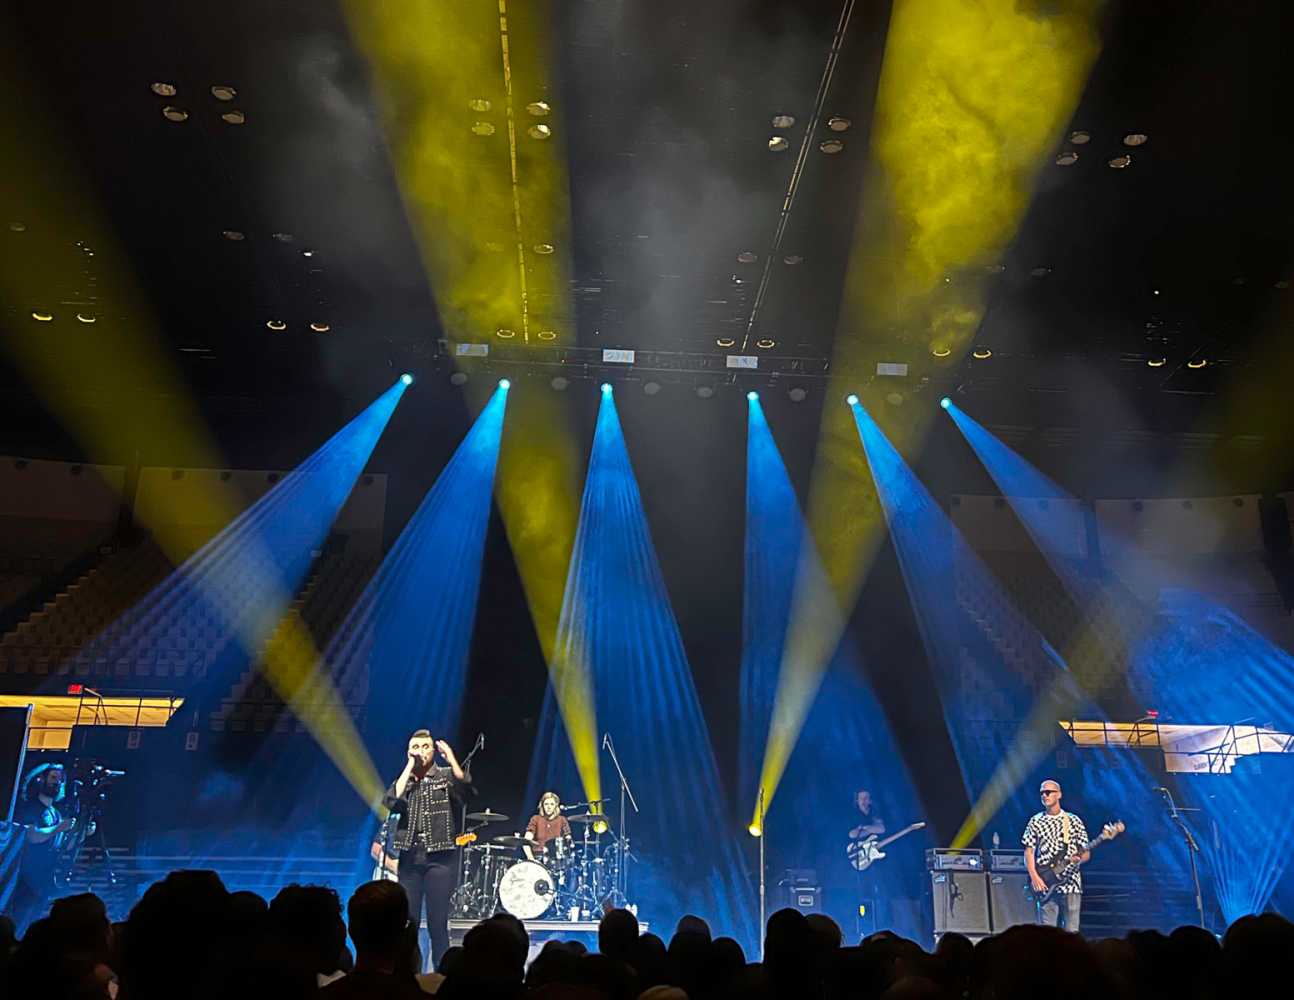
column 667, row 110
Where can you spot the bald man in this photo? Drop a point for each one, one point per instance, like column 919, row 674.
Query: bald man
column 1053, row 835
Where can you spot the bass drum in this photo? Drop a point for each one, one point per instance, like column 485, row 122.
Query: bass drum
column 527, row 890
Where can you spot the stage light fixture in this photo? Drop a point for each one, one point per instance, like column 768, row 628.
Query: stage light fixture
column 725, row 342
column 1121, row 161
column 600, row 826
column 482, row 128
column 282, row 237
column 945, row 402
column 705, row 391
column 1197, row 363
column 754, row 830
column 939, row 351
column 981, row 354
column 233, row 118
column 1136, row 139
column 233, row 234
column 831, row 146
column 752, row 395
column 837, row 123
column 458, row 378
column 42, row 317
column 86, row 317
column 162, row 89
column 783, row 121
column 1156, row 362
column 479, row 104
column 559, row 383
column 276, row 325
column 223, row 92
column 173, row 114
column 538, row 108
column 1080, row 137
column 17, row 227
column 798, row 394
column 606, row 388
column 546, row 335
column 793, row 259
column 544, row 249
column 320, row 327
column 651, row 388
column 1067, row 159
column 504, row 384
column 747, row 257
column 778, row 144
column 851, row 399
column 407, row 378
column 540, row 131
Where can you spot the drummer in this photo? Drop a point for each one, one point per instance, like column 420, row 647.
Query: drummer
column 547, row 825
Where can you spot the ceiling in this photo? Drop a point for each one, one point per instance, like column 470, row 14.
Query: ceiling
column 215, row 230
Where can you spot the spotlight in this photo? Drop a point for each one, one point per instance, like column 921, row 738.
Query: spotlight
column 406, row 378
column 600, row 826
column 504, row 384
column 851, row 399
column 651, row 388
column 606, row 388
column 752, row 395
column 754, row 830
column 945, row 402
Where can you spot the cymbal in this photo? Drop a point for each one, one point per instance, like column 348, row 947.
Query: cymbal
column 510, row 841
column 486, row 817
column 586, row 818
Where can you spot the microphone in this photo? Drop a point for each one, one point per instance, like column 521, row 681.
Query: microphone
column 606, row 740
column 480, row 741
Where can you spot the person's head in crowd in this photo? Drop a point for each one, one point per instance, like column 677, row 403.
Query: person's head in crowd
column 607, row 977
column 788, row 940
column 694, row 925
column 494, row 951
column 1256, row 951
column 175, row 937
column 378, row 916
column 617, row 932
column 724, row 964
column 826, row 932
column 649, row 958
column 689, row 953
column 81, row 927
column 451, row 963
column 555, row 964
column 306, row 922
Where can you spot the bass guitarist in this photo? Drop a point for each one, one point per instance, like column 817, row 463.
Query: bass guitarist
column 1051, row 835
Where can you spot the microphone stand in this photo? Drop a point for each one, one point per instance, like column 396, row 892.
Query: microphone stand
column 763, row 917
column 1192, row 849
column 622, row 876
column 462, row 812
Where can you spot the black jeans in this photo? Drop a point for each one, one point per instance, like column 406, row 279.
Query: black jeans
column 429, row 881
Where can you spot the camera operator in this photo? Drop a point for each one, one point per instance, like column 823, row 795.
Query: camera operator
column 39, row 811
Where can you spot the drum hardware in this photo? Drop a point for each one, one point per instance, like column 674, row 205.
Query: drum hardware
column 509, row 841
column 488, row 816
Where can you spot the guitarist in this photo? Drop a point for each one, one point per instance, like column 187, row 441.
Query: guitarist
column 1051, row 835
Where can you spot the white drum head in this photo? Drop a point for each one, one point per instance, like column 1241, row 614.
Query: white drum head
column 527, row 890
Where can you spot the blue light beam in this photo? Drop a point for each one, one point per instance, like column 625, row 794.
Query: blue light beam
column 616, row 617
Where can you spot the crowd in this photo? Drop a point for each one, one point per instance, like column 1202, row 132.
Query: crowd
column 189, row 937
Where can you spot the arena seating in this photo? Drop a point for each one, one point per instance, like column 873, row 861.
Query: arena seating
column 335, row 583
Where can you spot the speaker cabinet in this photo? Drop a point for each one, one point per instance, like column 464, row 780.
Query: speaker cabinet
column 960, row 901
column 1009, row 904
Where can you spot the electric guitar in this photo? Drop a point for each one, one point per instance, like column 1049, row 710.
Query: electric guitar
column 387, row 869
column 1050, row 873
column 864, row 853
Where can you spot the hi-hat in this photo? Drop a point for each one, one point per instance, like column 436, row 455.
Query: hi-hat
column 486, row 817
column 509, row 841
column 587, row 818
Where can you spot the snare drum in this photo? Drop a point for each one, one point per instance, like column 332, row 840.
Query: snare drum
column 558, row 854
column 527, row 890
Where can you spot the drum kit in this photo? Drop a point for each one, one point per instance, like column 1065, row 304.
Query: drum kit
column 571, row 878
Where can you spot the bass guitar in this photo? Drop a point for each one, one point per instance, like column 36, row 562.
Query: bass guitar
column 864, row 853
column 1050, row 873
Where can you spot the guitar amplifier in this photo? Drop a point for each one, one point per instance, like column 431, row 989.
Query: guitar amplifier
column 1010, row 906
column 1007, row 861
column 953, row 859
column 961, row 902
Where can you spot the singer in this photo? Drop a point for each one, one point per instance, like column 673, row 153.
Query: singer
column 425, row 795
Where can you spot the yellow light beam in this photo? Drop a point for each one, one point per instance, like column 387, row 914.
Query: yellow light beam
column 475, row 132
column 972, row 99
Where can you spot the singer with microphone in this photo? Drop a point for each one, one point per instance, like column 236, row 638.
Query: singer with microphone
column 426, row 795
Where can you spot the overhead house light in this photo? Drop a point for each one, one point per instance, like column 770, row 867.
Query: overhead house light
column 472, row 350
column 742, row 361
column 891, row 368
column 617, row 356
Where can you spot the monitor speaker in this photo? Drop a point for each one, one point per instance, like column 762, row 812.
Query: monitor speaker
column 960, row 901
column 1009, row 904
